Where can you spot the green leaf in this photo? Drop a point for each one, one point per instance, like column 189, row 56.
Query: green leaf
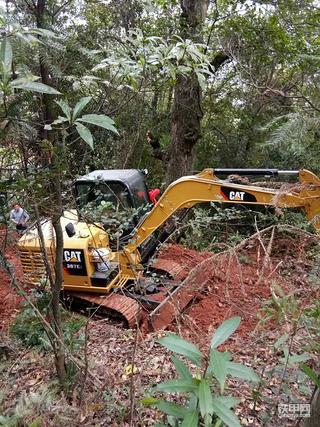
column 191, row 419
column 177, row 386
column 296, row 358
column 218, row 365
column 44, row 32
column 224, row 331
column 33, row 86
column 228, row 401
column 205, row 398
column 149, row 401
column 310, row 373
column 172, row 409
column 99, row 120
column 193, row 402
column 65, row 108
column 59, row 120
column 208, row 421
column 224, row 413
column 241, row 371
column 85, row 134
column 281, row 341
column 80, row 105
column 6, row 55
column 177, row 344
column 181, row 369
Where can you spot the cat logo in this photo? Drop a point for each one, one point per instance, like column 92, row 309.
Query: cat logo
column 72, row 256
column 236, row 195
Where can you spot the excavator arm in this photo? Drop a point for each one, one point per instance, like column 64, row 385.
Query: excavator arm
column 206, row 187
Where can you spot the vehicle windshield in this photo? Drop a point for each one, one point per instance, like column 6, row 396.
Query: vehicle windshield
column 93, row 194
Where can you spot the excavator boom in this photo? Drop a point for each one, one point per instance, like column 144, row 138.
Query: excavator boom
column 206, row 187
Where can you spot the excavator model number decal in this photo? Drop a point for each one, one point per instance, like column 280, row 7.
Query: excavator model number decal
column 234, row 195
column 73, row 262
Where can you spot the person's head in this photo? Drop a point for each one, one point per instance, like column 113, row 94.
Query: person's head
column 16, row 206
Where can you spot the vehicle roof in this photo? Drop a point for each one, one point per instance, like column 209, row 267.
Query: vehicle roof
column 127, row 176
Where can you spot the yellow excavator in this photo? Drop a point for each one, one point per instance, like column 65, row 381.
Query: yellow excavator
column 100, row 273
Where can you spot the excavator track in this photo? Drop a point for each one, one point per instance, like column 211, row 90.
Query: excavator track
column 120, row 305
column 172, row 306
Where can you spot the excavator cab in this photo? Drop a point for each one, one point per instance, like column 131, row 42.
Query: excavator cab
column 123, row 188
column 106, row 195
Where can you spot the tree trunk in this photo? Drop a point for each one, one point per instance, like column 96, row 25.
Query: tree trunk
column 186, row 108
column 55, row 187
column 314, row 420
column 55, row 302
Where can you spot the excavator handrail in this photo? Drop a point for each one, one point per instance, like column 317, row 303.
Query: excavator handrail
column 254, row 172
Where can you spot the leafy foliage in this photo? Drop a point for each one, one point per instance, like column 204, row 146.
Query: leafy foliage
column 204, row 404
column 29, row 328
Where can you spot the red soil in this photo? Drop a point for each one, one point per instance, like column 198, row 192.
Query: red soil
column 235, row 283
column 9, row 298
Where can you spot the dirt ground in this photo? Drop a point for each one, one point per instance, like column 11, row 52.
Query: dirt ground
column 238, row 281
column 10, row 300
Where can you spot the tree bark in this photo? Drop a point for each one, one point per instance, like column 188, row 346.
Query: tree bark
column 314, row 419
column 55, row 187
column 186, row 108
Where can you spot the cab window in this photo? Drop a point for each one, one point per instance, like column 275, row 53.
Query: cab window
column 94, row 193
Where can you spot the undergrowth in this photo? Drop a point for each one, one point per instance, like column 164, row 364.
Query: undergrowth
column 208, row 227
column 28, row 327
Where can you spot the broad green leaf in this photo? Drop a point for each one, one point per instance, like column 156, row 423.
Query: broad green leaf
column 181, row 369
column 80, row 105
column 33, row 87
column 149, row 401
column 59, row 120
column 295, row 358
column 85, row 134
column 281, row 341
column 310, row 373
column 224, row 413
column 228, row 401
column 193, row 402
column 241, row 371
column 208, row 420
column 174, row 343
column 44, row 32
column 205, row 398
column 218, row 365
column 65, row 108
column 6, row 55
column 172, row 409
column 177, row 386
column 224, row 331
column 99, row 120
column 191, row 419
